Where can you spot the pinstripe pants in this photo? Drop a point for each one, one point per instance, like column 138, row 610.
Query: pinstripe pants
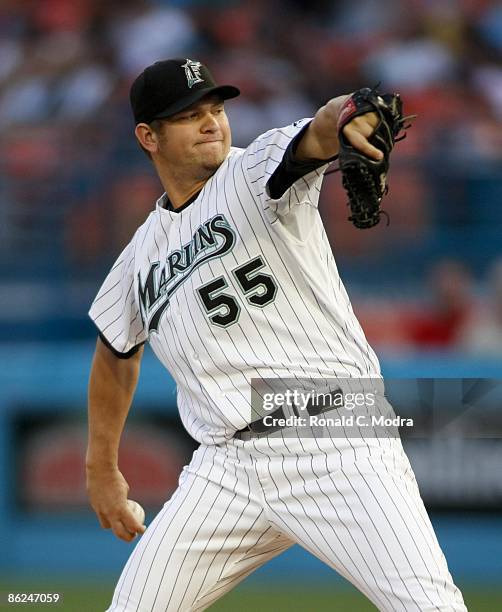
column 353, row 503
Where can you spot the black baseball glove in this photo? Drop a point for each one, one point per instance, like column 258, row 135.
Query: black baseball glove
column 365, row 179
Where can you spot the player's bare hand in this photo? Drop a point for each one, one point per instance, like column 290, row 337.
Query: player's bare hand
column 359, row 130
column 321, row 139
column 107, row 490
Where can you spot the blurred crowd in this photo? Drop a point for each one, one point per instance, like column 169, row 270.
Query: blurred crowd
column 455, row 313
column 74, row 184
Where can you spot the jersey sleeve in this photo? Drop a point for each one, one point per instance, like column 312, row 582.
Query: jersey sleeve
column 283, row 187
column 115, row 311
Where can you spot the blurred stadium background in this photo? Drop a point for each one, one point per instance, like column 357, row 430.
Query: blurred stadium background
column 74, row 186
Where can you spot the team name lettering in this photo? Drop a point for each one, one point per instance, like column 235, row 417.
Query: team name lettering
column 214, row 238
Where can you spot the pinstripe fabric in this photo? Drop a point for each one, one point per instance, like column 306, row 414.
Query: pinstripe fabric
column 115, row 311
column 354, row 504
column 366, row 520
column 209, row 536
column 307, row 330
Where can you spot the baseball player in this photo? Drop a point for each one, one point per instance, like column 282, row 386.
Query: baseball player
column 232, row 279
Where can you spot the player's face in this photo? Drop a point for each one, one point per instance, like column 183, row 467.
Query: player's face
column 196, row 139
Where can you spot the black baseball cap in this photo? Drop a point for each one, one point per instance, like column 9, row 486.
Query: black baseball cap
column 169, row 86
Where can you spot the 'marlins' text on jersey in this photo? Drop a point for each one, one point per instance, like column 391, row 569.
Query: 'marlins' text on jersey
column 213, row 238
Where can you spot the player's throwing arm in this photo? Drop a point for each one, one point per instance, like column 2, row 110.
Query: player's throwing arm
column 111, row 388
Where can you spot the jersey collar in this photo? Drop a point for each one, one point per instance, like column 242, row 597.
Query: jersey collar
column 165, row 203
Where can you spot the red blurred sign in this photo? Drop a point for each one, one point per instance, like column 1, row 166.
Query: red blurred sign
column 52, row 465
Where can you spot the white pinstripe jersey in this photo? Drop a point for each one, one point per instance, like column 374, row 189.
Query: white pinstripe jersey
column 235, row 286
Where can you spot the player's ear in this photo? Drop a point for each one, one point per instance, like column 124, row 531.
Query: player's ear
column 147, row 137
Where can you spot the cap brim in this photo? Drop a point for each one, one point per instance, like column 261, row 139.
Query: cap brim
column 224, row 91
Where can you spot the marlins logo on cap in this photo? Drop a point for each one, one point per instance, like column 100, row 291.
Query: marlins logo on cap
column 192, row 72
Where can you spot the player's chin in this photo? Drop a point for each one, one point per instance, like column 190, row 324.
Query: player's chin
column 213, row 159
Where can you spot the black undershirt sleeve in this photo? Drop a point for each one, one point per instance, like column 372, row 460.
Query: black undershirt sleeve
column 290, row 169
column 118, row 354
